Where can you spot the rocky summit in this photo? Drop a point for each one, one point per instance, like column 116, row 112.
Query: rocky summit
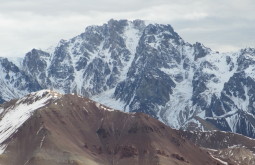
column 138, row 67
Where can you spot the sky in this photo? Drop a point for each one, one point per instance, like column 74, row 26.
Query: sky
column 222, row 25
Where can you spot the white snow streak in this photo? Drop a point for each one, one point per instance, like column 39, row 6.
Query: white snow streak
column 14, row 116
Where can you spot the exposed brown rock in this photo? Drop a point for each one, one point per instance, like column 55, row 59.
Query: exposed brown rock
column 77, row 131
column 178, row 157
column 235, row 149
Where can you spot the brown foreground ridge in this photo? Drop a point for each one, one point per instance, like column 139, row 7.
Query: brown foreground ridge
column 72, row 130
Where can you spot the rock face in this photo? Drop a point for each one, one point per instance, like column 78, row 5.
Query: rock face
column 234, row 149
column 57, row 129
column 135, row 67
column 14, row 82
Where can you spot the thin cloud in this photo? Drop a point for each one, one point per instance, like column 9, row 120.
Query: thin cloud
column 224, row 25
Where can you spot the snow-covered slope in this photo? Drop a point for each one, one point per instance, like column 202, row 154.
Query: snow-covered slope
column 14, row 82
column 135, row 67
column 13, row 116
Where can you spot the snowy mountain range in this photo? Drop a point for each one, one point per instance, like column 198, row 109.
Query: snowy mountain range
column 137, row 67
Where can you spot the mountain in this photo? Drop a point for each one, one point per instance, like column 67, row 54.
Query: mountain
column 233, row 148
column 14, row 82
column 54, row 129
column 139, row 67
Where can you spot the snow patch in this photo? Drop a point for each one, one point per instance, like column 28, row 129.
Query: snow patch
column 100, row 106
column 221, row 161
column 14, row 116
column 107, row 98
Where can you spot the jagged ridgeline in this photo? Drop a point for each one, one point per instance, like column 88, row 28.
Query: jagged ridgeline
column 139, row 67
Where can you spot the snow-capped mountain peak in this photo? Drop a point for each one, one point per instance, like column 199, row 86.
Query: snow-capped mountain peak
column 12, row 117
column 139, row 67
